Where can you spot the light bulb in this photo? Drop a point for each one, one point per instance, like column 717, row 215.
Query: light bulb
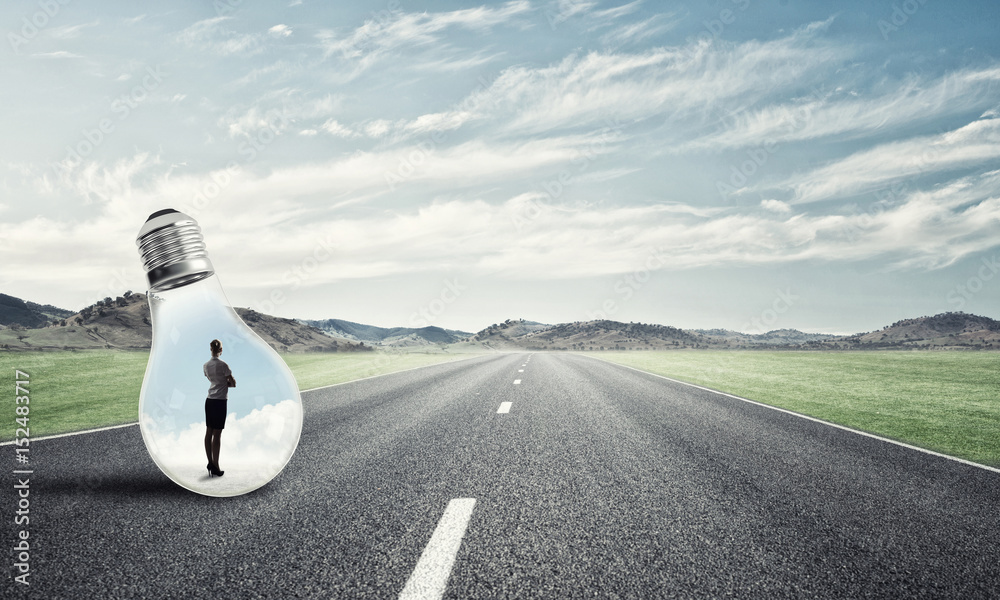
column 189, row 309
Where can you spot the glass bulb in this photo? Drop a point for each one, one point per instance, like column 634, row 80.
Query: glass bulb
column 189, row 309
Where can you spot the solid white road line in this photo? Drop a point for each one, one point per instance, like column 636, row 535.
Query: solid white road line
column 504, row 408
column 517, row 381
column 60, row 435
column 808, row 418
column 430, row 576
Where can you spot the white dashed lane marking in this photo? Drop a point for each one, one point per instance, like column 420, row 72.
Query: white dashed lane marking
column 517, row 381
column 504, row 408
column 430, row 576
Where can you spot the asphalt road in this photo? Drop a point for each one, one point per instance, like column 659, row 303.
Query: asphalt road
column 599, row 482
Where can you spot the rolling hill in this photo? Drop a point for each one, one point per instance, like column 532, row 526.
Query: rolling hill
column 945, row 330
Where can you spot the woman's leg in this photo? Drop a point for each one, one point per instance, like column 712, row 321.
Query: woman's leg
column 216, row 443
column 208, row 444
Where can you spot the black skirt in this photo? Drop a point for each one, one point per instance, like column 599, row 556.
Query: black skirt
column 215, row 413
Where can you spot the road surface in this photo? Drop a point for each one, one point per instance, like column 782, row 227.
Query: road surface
column 520, row 476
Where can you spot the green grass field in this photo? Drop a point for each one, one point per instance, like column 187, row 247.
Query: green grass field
column 943, row 401
column 72, row 391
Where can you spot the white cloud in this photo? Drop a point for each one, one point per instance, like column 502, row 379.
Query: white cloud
column 336, row 129
column 280, row 31
column 378, row 128
column 775, row 206
column 253, row 121
column 254, row 449
column 259, row 225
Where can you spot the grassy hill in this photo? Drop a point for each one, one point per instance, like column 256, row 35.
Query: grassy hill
column 17, row 312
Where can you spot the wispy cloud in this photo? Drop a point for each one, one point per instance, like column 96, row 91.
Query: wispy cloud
column 59, row 54
column 212, row 35
column 376, row 40
column 616, row 12
column 632, row 33
column 66, row 32
column 974, row 144
column 675, row 81
column 817, row 114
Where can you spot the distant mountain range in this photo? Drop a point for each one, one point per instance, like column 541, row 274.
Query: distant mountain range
column 946, row 330
column 388, row 336
column 123, row 322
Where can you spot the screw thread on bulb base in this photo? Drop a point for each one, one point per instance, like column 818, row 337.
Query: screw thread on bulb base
column 172, row 250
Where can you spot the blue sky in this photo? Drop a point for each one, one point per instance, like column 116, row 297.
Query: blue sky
column 749, row 164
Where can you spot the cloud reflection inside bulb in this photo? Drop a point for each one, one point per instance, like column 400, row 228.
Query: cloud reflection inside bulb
column 253, row 449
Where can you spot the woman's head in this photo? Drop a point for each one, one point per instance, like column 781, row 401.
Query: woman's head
column 216, row 347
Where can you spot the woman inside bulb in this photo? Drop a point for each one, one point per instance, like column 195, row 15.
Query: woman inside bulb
column 221, row 379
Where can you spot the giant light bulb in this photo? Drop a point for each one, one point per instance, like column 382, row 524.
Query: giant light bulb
column 188, row 310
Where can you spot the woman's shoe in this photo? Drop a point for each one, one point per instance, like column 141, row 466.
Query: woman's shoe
column 217, row 472
column 210, row 472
